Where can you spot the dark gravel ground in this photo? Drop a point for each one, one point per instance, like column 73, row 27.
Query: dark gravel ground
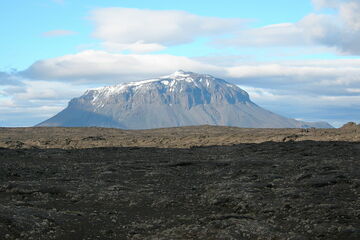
column 291, row 190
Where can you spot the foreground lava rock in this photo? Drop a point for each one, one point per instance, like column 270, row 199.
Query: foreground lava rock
column 270, row 190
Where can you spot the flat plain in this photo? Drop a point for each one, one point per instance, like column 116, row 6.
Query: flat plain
column 202, row 182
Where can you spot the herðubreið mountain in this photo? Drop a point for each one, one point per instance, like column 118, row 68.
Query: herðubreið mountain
column 179, row 99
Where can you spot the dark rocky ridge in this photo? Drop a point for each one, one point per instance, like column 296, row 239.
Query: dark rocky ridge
column 291, row 189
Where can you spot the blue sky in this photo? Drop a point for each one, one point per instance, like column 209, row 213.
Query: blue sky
column 296, row 58
column 35, row 17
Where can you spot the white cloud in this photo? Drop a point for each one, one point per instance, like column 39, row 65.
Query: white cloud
column 7, row 103
column 337, row 110
column 35, row 101
column 137, row 47
column 143, row 31
column 58, row 33
column 305, row 71
column 353, row 90
column 155, row 29
column 322, row 77
column 42, row 91
column 25, row 115
column 9, row 79
column 284, row 34
column 340, row 31
column 107, row 68
column 350, row 13
column 316, row 78
column 319, row 4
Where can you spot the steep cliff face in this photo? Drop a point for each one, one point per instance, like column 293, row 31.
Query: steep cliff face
column 180, row 99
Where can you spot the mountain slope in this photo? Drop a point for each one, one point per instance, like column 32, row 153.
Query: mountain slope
column 180, row 99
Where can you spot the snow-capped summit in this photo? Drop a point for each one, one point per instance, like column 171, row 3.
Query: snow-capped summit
column 179, row 99
column 178, row 74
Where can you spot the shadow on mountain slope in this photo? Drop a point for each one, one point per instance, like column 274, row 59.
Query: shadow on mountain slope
column 75, row 117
